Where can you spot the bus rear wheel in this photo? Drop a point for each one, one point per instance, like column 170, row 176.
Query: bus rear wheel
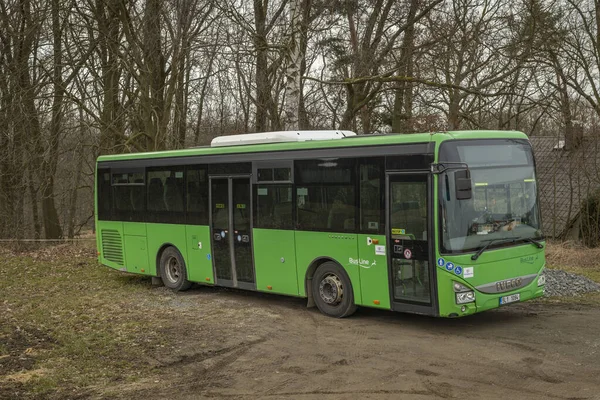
column 172, row 270
column 332, row 291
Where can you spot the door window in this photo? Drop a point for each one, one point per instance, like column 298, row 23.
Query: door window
column 409, row 244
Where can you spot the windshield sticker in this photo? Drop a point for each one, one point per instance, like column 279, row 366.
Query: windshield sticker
column 468, row 272
column 458, row 270
column 398, row 231
column 441, row 262
column 380, row 250
column 449, row 266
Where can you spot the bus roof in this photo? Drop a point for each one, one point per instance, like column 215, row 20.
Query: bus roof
column 352, row 141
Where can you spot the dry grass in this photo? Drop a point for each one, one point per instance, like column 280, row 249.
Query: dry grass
column 575, row 258
column 69, row 326
column 571, row 254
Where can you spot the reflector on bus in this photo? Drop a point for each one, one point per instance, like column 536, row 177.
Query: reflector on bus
column 278, row 137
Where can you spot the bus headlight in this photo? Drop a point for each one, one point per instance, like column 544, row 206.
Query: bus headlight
column 459, row 287
column 465, row 297
column 542, row 279
column 463, row 293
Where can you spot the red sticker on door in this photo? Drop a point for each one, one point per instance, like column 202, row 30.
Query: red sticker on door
column 407, row 254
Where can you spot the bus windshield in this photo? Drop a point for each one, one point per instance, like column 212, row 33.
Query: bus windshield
column 504, row 204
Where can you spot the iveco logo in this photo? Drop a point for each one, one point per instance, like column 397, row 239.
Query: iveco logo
column 504, row 286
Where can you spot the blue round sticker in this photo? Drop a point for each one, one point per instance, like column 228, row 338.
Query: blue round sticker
column 458, row 270
column 449, row 266
column 441, row 262
column 208, row 257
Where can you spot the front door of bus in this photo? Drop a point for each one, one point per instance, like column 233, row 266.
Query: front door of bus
column 231, row 231
column 411, row 282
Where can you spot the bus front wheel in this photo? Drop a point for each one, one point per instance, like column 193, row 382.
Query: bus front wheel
column 332, row 291
column 172, row 270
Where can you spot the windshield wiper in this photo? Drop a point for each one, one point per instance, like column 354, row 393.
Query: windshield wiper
column 489, row 243
column 535, row 242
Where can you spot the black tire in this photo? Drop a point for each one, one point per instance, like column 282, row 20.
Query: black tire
column 172, row 270
column 332, row 291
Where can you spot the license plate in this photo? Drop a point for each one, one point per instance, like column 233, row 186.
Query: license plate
column 510, row 299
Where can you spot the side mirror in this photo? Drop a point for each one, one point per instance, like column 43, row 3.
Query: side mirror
column 462, row 184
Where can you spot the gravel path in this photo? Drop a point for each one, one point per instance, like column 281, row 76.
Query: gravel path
column 561, row 283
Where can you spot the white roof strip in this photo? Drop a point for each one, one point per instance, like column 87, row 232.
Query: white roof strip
column 278, row 137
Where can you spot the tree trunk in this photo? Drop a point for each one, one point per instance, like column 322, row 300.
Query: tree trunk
column 294, row 64
column 52, row 228
column 153, row 78
column 403, row 96
column 262, row 77
column 107, row 15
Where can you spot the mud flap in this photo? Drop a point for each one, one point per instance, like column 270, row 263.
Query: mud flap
column 311, row 302
column 156, row 281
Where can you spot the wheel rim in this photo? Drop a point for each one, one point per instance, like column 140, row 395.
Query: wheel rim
column 331, row 289
column 173, row 269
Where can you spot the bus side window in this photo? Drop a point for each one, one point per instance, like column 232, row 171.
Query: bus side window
column 128, row 196
column 165, row 195
column 104, row 195
column 371, row 174
column 326, row 194
column 196, row 195
column 273, row 206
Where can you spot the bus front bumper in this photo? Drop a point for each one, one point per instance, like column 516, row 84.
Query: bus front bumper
column 485, row 301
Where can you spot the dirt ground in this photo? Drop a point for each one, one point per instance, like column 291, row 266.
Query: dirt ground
column 119, row 337
column 277, row 348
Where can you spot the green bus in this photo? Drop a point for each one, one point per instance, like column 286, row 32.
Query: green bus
column 443, row 224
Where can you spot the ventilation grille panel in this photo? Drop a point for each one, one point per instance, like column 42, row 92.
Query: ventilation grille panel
column 112, row 246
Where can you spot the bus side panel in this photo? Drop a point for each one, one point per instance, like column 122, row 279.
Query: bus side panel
column 136, row 256
column 275, row 261
column 199, row 258
column 374, row 280
column 341, row 247
column 111, row 245
column 161, row 234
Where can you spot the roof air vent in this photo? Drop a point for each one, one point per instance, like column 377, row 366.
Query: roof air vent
column 278, row 137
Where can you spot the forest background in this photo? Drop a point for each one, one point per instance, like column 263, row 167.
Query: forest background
column 80, row 78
